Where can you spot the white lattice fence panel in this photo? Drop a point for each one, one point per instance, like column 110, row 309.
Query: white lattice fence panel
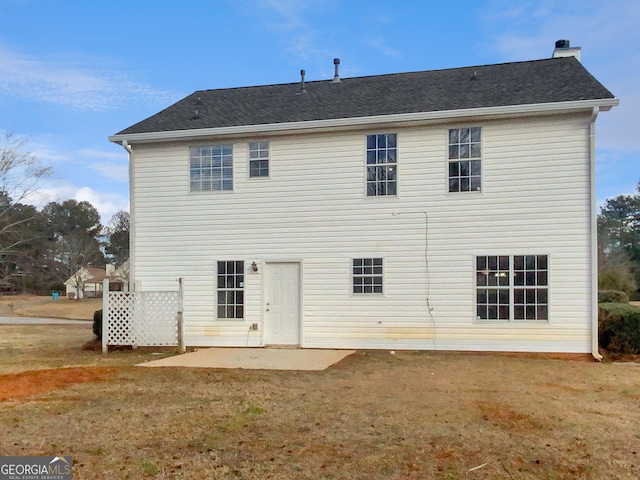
column 142, row 318
column 155, row 319
column 119, row 318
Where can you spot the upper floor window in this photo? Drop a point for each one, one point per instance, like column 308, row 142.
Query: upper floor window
column 211, row 168
column 381, row 164
column 259, row 159
column 465, row 159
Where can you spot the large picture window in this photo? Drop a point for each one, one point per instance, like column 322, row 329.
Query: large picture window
column 382, row 165
column 230, row 289
column 512, row 287
column 465, row 155
column 211, row 168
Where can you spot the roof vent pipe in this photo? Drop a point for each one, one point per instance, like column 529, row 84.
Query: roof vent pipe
column 302, row 89
column 336, row 77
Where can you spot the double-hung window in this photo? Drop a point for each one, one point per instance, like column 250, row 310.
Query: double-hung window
column 259, row 159
column 211, row 168
column 382, row 163
column 465, row 159
column 512, row 287
column 367, row 275
column 230, row 289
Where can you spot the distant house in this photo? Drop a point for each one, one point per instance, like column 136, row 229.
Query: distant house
column 119, row 278
column 450, row 209
column 88, row 281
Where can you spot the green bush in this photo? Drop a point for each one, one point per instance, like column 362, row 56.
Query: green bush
column 97, row 324
column 619, row 328
column 612, row 296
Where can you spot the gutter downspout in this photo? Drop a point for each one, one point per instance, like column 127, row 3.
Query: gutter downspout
column 132, row 223
column 594, row 237
column 127, row 147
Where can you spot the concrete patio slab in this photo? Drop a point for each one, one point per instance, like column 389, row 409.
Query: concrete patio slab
column 254, row 358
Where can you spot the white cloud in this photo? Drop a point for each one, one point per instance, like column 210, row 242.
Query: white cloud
column 75, row 83
column 294, row 23
column 48, row 156
column 111, row 165
column 112, row 170
column 305, row 36
column 38, row 148
column 42, row 196
column 530, row 29
column 93, row 153
column 306, row 46
column 107, row 204
column 379, row 43
column 289, row 14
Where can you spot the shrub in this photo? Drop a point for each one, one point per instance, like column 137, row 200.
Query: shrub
column 612, row 296
column 619, row 328
column 97, row 324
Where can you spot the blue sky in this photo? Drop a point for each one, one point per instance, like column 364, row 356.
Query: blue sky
column 72, row 73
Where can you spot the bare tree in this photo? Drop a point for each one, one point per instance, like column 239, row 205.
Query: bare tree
column 21, row 173
column 75, row 252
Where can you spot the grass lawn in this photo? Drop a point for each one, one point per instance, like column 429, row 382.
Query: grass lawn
column 372, row 416
column 39, row 306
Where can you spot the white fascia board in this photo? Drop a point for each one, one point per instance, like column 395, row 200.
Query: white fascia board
column 360, row 122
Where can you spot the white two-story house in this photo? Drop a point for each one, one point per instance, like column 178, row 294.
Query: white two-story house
column 433, row 210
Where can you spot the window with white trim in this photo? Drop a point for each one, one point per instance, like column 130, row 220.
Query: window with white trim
column 211, row 168
column 367, row 275
column 230, row 289
column 512, row 287
column 382, row 165
column 259, row 159
column 465, row 159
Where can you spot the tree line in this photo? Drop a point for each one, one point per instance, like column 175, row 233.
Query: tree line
column 41, row 248
column 619, row 244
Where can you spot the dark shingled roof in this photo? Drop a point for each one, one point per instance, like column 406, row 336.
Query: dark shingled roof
column 520, row 83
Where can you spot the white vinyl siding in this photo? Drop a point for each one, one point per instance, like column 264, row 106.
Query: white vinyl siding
column 534, row 200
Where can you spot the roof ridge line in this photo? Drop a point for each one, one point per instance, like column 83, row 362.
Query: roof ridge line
column 310, row 82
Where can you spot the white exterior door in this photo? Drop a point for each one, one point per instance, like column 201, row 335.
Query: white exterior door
column 282, row 304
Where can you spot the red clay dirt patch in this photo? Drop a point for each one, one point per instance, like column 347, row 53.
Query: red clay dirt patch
column 505, row 417
column 34, row 382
